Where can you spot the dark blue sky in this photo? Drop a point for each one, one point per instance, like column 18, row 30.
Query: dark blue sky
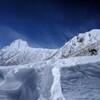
column 46, row 23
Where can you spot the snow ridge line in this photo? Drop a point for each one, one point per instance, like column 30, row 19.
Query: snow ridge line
column 83, row 50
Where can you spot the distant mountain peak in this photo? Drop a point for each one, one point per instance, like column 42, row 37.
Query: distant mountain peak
column 19, row 44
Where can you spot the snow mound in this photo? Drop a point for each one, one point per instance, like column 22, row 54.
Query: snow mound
column 51, row 79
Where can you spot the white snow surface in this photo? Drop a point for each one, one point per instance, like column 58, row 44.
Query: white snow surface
column 55, row 91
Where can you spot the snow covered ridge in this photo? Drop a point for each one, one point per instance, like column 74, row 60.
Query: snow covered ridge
column 84, row 44
column 20, row 53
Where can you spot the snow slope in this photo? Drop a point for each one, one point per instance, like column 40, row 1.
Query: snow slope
column 50, row 77
column 20, row 53
column 69, row 73
column 81, row 82
column 81, row 44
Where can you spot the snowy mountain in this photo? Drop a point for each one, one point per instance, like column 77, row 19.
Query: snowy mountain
column 20, row 53
column 52, row 80
column 69, row 73
column 83, row 44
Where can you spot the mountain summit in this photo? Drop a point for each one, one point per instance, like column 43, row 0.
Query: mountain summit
column 18, row 44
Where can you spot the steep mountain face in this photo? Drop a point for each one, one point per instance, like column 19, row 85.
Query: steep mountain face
column 83, row 44
column 69, row 73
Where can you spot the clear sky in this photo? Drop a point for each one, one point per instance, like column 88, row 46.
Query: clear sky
column 46, row 23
